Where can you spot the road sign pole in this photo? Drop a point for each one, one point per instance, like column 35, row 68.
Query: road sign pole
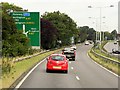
column 24, row 30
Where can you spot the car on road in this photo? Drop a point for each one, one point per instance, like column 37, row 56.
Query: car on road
column 115, row 42
column 57, row 62
column 74, row 47
column 70, row 53
column 86, row 43
column 115, row 51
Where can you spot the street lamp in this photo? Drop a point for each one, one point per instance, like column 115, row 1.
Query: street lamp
column 101, row 16
column 105, row 27
column 103, row 32
column 96, row 26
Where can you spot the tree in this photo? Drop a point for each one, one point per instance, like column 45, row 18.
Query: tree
column 83, row 33
column 107, row 35
column 114, row 34
column 91, row 34
column 7, row 8
column 14, row 42
column 65, row 25
column 48, row 34
column 86, row 33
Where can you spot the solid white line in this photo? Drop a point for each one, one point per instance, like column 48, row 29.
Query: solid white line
column 71, row 67
column 103, row 67
column 77, row 78
column 20, row 83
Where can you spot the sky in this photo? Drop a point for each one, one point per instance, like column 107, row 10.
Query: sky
column 78, row 10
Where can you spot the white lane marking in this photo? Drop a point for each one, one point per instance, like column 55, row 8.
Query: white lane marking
column 71, row 67
column 70, row 62
column 20, row 83
column 77, row 78
column 103, row 67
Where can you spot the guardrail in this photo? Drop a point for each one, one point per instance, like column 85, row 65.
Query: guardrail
column 30, row 56
column 23, row 75
column 110, row 54
column 106, row 59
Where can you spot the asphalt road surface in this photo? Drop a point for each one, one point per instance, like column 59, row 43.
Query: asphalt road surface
column 83, row 73
column 110, row 45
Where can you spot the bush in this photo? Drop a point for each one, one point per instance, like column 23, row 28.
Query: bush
column 6, row 65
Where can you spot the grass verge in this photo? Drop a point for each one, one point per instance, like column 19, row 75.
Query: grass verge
column 21, row 67
column 107, row 55
column 97, row 50
column 112, row 67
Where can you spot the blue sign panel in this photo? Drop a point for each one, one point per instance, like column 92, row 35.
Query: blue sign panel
column 26, row 14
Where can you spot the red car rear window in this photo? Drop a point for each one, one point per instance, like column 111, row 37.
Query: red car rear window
column 58, row 58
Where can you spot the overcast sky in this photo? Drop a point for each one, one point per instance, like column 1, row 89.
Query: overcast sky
column 78, row 10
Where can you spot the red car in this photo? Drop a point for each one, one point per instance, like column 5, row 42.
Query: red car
column 57, row 62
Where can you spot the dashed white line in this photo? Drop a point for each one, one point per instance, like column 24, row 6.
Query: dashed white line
column 77, row 78
column 70, row 62
column 71, row 67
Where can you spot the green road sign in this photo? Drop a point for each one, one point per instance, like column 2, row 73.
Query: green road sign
column 29, row 23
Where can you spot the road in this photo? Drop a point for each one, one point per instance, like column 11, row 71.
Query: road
column 83, row 73
column 110, row 45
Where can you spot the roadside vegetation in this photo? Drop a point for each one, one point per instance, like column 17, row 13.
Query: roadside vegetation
column 57, row 29
column 114, row 67
column 101, row 50
column 20, row 68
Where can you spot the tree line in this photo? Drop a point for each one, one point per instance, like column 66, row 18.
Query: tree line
column 14, row 43
column 57, row 29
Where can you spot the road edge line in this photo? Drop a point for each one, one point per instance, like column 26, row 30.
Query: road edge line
column 26, row 76
column 77, row 78
column 103, row 67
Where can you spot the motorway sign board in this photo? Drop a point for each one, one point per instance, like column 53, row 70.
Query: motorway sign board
column 29, row 23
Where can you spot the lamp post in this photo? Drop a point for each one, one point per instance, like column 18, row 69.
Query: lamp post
column 103, row 33
column 101, row 17
column 96, row 26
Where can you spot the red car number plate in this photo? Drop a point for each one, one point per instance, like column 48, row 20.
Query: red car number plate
column 56, row 67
